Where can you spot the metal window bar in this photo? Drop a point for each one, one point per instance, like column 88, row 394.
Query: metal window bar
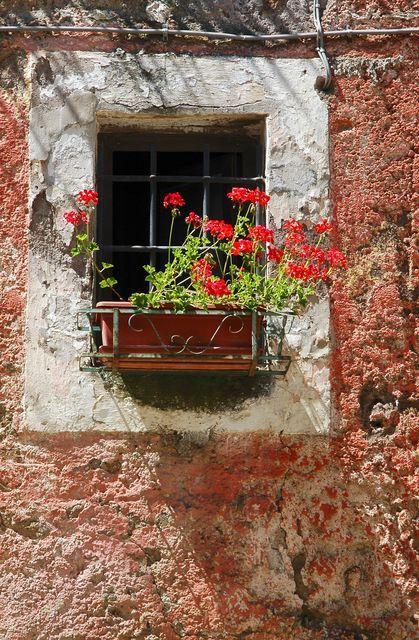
column 153, row 204
column 265, row 353
column 153, row 249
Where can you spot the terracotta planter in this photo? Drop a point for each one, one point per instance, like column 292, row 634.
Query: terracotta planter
column 169, row 341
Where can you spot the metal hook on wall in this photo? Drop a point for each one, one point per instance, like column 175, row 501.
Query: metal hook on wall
column 322, row 82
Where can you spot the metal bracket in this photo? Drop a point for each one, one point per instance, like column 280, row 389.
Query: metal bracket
column 322, row 82
column 166, row 30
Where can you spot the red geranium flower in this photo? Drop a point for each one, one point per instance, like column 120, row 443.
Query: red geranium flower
column 323, row 226
column 309, row 251
column 201, row 270
column 238, row 194
column 242, row 195
column 217, row 288
column 219, row 229
column 336, row 258
column 302, row 272
column 173, row 200
column 261, row 233
column 258, row 197
column 275, row 254
column 292, row 226
column 241, row 247
column 194, row 220
column 294, row 238
column 87, row 196
column 76, row 217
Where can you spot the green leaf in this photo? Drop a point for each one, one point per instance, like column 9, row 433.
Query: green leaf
column 82, row 237
column 139, row 300
column 106, row 265
column 93, row 246
column 75, row 251
column 107, row 282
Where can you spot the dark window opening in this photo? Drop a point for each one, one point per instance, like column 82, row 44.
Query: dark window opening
column 135, row 171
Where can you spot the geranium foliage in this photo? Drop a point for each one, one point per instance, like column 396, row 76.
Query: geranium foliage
column 240, row 265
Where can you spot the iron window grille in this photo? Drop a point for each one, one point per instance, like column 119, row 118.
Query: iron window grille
column 135, row 171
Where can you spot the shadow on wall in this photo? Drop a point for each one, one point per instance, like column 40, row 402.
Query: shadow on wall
column 196, row 392
column 184, row 402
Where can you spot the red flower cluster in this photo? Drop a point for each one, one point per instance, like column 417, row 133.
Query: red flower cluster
column 76, row 217
column 275, row 254
column 201, row 270
column 323, row 226
column 217, row 288
column 242, row 246
column 219, row 229
column 173, row 200
column 294, row 233
column 242, row 195
column 310, row 252
column 88, row 197
column 194, row 220
column 292, row 239
column 259, row 197
column 238, row 194
column 259, row 233
column 306, row 272
column 292, row 226
column 309, row 262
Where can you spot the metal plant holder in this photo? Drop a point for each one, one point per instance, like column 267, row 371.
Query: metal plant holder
column 185, row 352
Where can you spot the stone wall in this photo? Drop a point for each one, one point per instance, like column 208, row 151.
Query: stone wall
column 210, row 534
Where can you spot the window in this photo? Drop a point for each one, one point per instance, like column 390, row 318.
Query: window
column 136, row 170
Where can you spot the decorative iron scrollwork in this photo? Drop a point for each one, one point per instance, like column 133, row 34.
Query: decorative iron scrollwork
column 185, row 344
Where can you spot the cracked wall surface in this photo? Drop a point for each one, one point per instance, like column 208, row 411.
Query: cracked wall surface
column 73, row 94
column 219, row 535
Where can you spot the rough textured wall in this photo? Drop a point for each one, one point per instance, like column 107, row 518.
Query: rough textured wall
column 257, row 536
column 247, row 16
column 227, row 537
column 14, row 189
column 363, row 14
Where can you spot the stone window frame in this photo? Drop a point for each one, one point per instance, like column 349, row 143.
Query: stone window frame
column 75, row 93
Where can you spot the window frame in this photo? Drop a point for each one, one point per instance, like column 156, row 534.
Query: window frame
column 155, row 142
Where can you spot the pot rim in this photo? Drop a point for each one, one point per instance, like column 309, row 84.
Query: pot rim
column 122, row 304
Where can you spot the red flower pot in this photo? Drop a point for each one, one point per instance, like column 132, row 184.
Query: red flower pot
column 164, row 340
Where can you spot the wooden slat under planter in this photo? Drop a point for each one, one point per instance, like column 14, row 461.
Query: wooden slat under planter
column 218, row 340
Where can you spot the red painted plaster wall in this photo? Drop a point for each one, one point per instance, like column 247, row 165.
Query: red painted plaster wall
column 242, row 537
column 251, row 536
column 13, row 236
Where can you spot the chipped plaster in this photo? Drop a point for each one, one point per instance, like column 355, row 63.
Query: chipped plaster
column 72, row 93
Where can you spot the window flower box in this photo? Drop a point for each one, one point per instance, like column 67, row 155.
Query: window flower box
column 211, row 307
column 215, row 340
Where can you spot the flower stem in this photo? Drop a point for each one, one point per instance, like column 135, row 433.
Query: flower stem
column 109, row 285
column 170, row 237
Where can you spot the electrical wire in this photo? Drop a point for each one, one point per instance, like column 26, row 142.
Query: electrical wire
column 212, row 35
column 322, row 82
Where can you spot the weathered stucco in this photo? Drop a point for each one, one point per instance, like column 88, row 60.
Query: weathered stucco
column 225, row 537
column 232, row 536
column 245, row 16
column 73, row 94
